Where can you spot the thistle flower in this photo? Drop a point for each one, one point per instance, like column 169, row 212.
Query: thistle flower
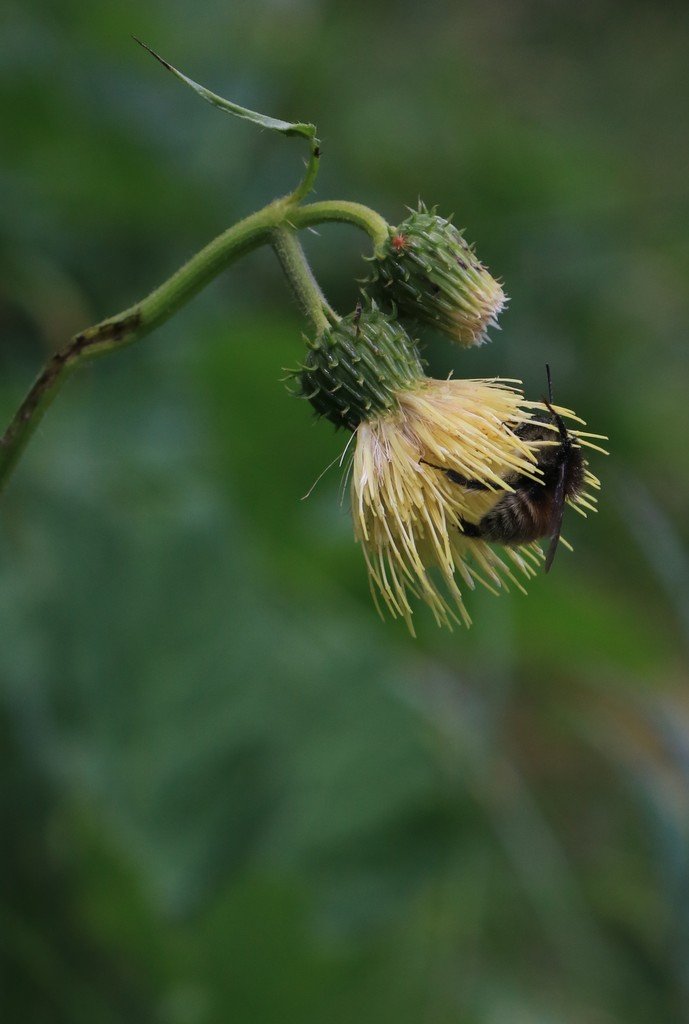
column 439, row 467
column 431, row 274
column 417, row 525
column 431, row 459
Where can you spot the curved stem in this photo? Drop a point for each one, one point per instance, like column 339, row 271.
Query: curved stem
column 267, row 225
column 134, row 323
column 306, row 184
column 375, row 226
column 300, row 276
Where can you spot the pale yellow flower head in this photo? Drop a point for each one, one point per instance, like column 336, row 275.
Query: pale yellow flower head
column 408, row 515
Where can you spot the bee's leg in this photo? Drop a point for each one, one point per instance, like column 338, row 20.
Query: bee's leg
column 457, row 478
column 469, row 529
column 471, row 485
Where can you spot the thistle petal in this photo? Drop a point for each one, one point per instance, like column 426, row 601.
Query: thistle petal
column 409, row 517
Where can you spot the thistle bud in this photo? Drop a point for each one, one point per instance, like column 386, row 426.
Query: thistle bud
column 432, row 275
column 355, row 369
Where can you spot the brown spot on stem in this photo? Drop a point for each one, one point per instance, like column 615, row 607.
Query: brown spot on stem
column 111, row 330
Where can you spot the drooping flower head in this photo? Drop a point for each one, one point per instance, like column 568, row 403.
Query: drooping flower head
column 431, row 274
column 432, row 458
column 427, row 475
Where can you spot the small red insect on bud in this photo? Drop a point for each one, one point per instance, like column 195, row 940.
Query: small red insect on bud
column 430, row 274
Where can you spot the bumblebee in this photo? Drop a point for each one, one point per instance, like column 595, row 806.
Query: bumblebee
column 533, row 508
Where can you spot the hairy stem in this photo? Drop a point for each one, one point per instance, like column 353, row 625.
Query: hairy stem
column 276, row 223
column 306, row 289
column 134, row 323
column 344, row 212
column 310, row 174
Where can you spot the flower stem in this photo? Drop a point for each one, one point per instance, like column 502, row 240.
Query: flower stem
column 307, row 182
column 134, row 323
column 276, row 223
column 375, row 226
column 293, row 261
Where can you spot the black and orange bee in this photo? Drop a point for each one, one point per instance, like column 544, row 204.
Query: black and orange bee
column 533, row 508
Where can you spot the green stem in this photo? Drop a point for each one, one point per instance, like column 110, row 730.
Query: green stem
column 293, row 261
column 134, row 323
column 139, row 320
column 307, row 182
column 375, row 226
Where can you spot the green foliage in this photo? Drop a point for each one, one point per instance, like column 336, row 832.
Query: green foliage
column 228, row 791
column 307, row 131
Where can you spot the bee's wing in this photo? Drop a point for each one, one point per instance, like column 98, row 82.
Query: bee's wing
column 557, row 516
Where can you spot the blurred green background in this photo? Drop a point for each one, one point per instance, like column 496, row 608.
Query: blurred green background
column 229, row 792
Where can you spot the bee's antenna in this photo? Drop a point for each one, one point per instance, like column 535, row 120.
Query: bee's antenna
column 548, row 403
